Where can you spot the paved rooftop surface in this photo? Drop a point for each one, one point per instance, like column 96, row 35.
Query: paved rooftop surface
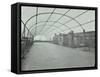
column 52, row 56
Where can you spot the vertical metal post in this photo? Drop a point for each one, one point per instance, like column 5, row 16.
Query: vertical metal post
column 84, row 37
column 36, row 21
column 24, row 31
column 73, row 39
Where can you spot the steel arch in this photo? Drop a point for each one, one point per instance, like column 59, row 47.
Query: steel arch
column 54, row 13
column 81, row 24
column 68, row 28
column 48, row 21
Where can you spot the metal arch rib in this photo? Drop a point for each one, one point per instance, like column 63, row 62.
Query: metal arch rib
column 76, row 21
column 56, row 20
column 82, row 24
column 26, row 27
column 48, row 21
column 53, row 13
column 31, row 28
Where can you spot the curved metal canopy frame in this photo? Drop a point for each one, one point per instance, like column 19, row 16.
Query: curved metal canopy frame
column 26, row 28
column 31, row 28
column 78, row 25
column 54, row 13
column 71, row 19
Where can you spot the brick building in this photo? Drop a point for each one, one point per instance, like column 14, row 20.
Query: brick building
column 83, row 39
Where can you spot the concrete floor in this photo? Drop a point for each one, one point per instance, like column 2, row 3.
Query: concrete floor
column 51, row 56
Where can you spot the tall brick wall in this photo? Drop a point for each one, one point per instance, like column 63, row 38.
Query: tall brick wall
column 83, row 39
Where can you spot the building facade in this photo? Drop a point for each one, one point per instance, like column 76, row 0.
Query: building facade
column 83, row 39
